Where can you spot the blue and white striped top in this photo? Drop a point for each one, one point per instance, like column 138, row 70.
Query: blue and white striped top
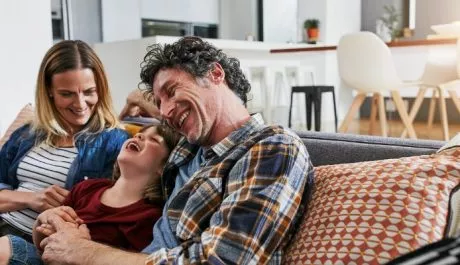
column 42, row 167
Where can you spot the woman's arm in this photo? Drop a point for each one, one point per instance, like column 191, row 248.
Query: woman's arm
column 11, row 200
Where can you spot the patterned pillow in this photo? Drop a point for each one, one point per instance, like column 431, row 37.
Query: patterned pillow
column 25, row 115
column 372, row 212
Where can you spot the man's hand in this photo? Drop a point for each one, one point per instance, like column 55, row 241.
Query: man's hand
column 43, row 225
column 137, row 105
column 50, row 197
column 62, row 213
column 68, row 244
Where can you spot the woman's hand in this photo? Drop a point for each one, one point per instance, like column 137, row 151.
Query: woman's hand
column 137, row 105
column 48, row 198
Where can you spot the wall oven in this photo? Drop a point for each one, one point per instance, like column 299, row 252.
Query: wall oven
column 152, row 27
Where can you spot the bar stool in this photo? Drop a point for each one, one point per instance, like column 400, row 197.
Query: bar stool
column 313, row 95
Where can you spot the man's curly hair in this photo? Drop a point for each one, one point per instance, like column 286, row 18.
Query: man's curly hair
column 196, row 57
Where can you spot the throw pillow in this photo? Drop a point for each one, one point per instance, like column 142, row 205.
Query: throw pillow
column 26, row 114
column 372, row 212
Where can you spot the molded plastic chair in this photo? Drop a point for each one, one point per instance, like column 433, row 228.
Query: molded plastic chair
column 366, row 65
column 439, row 74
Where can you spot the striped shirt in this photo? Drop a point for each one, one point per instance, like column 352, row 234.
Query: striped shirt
column 42, row 167
column 240, row 207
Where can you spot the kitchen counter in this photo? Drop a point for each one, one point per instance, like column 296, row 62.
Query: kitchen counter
column 399, row 43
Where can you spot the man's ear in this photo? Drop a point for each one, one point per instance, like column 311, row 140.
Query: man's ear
column 217, row 74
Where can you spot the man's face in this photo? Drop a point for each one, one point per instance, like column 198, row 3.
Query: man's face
column 187, row 104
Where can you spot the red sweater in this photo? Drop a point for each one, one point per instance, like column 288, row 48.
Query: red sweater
column 128, row 227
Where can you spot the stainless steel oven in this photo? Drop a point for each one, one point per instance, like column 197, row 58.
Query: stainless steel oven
column 173, row 28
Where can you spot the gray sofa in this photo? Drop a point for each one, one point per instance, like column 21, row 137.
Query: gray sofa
column 337, row 148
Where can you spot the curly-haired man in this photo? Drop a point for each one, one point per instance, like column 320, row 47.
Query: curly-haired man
column 234, row 186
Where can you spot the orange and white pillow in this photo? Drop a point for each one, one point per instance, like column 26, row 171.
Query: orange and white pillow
column 372, row 212
column 26, row 114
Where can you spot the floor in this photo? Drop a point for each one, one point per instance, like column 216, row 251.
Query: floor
column 395, row 129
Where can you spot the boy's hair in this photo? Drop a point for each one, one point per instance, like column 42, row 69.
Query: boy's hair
column 153, row 192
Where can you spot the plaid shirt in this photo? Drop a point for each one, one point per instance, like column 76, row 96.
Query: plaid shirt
column 241, row 206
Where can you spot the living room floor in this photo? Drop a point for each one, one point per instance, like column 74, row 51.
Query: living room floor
column 395, row 129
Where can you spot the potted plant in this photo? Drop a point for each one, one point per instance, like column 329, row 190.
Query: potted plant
column 390, row 22
column 311, row 26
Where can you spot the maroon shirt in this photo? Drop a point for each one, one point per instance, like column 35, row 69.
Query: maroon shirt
column 128, row 227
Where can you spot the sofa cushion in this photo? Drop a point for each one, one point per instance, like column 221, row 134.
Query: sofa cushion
column 372, row 212
column 26, row 114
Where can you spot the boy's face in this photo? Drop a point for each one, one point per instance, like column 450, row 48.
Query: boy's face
column 145, row 153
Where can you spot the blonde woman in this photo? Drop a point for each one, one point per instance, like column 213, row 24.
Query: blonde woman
column 75, row 136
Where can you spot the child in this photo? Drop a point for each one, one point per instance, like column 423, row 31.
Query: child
column 120, row 213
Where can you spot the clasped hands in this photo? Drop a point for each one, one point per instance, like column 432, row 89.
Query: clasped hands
column 57, row 229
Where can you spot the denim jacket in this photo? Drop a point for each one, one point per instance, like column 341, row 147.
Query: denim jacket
column 95, row 159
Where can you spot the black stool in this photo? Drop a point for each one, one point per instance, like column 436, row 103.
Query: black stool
column 313, row 96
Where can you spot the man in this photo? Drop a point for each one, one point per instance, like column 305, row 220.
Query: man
column 235, row 187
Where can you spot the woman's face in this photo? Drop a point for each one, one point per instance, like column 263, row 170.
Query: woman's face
column 74, row 94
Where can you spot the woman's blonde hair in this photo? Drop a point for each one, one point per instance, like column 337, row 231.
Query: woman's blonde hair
column 153, row 192
column 65, row 56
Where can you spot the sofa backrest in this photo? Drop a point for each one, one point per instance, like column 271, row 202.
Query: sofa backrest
column 338, row 148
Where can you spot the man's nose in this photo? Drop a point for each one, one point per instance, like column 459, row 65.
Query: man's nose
column 166, row 109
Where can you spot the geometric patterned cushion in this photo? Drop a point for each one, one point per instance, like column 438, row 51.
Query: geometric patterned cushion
column 372, row 212
column 26, row 114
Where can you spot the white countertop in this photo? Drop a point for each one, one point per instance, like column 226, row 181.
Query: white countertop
column 230, row 44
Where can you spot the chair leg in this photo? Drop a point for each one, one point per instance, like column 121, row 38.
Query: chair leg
column 357, row 102
column 455, row 99
column 317, row 103
column 290, row 112
column 308, row 101
column 382, row 115
column 432, row 108
column 335, row 110
column 443, row 111
column 415, row 108
column 373, row 115
column 403, row 113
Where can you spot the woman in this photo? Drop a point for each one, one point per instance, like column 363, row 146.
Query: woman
column 75, row 135
column 119, row 213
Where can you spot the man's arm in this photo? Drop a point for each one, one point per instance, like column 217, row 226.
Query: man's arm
column 71, row 245
column 265, row 190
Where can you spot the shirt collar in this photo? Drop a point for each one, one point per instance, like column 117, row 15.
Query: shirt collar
column 253, row 124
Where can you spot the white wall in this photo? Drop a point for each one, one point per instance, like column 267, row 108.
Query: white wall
column 342, row 17
column 25, row 27
column 238, row 18
column 204, row 11
column 121, row 20
column 308, row 9
column 280, row 21
column 430, row 13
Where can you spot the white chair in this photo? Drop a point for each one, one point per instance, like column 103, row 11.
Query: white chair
column 439, row 74
column 366, row 65
column 271, row 88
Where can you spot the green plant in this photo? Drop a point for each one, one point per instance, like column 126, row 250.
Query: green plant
column 311, row 23
column 390, row 20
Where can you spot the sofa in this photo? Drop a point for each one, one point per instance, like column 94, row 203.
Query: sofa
column 375, row 198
